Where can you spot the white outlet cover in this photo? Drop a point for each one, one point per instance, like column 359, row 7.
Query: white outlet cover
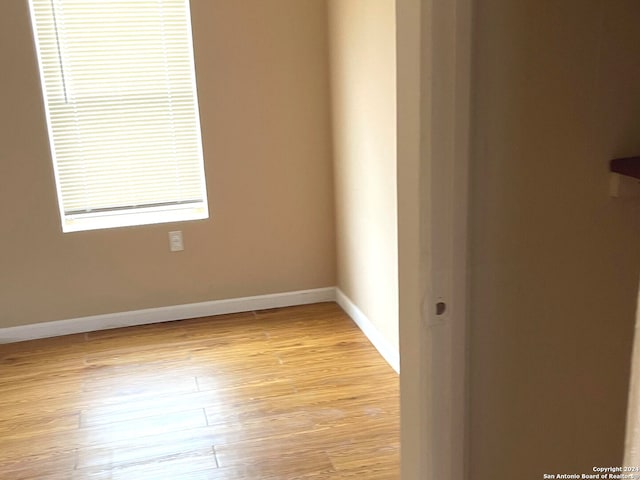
column 175, row 241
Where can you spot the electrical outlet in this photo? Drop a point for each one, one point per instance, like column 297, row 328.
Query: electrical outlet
column 175, row 241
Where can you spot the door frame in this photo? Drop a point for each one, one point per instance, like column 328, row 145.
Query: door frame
column 433, row 41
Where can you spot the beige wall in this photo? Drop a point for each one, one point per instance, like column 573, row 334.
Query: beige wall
column 263, row 87
column 363, row 70
column 554, row 259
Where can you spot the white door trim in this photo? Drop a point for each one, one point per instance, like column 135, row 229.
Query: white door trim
column 433, row 165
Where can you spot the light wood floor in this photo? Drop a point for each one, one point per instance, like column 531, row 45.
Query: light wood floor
column 280, row 394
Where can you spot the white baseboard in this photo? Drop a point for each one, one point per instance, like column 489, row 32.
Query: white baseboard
column 384, row 347
column 205, row 309
column 164, row 314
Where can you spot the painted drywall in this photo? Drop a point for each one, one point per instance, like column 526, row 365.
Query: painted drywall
column 263, row 85
column 363, row 85
column 554, row 259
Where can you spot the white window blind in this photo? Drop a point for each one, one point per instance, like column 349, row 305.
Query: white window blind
column 119, row 86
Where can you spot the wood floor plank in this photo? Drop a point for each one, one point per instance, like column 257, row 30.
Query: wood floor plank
column 142, row 407
column 291, row 451
column 287, row 393
column 34, row 424
column 119, row 388
column 30, row 467
column 198, row 465
column 144, row 427
column 154, row 448
column 306, row 465
column 364, row 457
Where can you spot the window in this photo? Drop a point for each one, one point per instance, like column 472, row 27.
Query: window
column 119, row 88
